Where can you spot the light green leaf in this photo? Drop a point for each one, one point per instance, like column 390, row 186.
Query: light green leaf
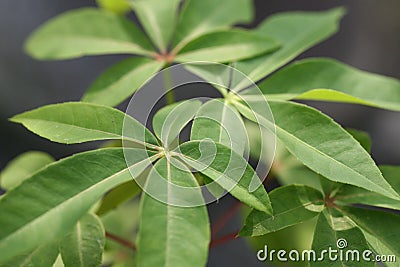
column 226, row 46
column 169, row 121
column 221, row 123
column 84, row 245
column 330, row 80
column 121, row 80
column 228, row 169
column 43, row 255
column 172, row 235
column 291, row 204
column 201, row 17
column 380, row 249
column 55, row 198
column 77, row 122
column 323, row 146
column 117, row 196
column 297, row 32
column 326, row 237
column 22, row 167
column 87, row 31
column 385, row 226
column 158, row 17
column 116, row 6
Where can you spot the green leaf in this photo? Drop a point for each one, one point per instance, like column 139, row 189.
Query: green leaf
column 121, row 80
column 158, row 17
column 172, row 235
column 201, row 17
column 326, row 237
column 87, row 31
column 84, row 245
column 379, row 248
column 228, row 169
column 22, row 167
column 362, row 137
column 169, row 121
column 116, row 6
column 221, row 123
column 226, row 46
column 43, row 255
column 77, row 122
column 297, row 32
column 55, row 198
column 330, row 80
column 291, row 204
column 117, row 196
column 323, row 146
column 385, row 226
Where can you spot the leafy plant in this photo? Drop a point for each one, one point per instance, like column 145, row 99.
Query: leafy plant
column 53, row 207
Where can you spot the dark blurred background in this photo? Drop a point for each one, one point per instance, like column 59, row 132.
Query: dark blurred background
column 369, row 39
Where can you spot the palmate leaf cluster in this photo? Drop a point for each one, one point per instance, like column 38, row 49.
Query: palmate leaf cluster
column 53, row 207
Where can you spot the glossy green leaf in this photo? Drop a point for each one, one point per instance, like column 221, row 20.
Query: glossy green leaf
column 77, row 122
column 297, row 32
column 115, row 6
column 158, row 17
column 169, row 121
column 84, row 245
column 87, row 31
column 117, row 196
column 43, row 255
column 120, row 81
column 226, row 46
column 385, row 226
column 291, row 204
column 323, row 146
column 350, row 241
column 172, row 235
column 22, row 167
column 221, row 123
column 330, row 80
column 228, row 169
column 55, row 198
column 201, row 17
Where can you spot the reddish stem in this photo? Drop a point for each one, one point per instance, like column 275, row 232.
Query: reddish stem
column 225, row 218
column 223, row 239
column 121, row 241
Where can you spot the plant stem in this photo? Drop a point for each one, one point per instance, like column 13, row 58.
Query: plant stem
column 170, row 97
column 224, row 239
column 121, row 241
column 225, row 218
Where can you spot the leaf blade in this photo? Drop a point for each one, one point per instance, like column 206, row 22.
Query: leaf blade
column 70, row 36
